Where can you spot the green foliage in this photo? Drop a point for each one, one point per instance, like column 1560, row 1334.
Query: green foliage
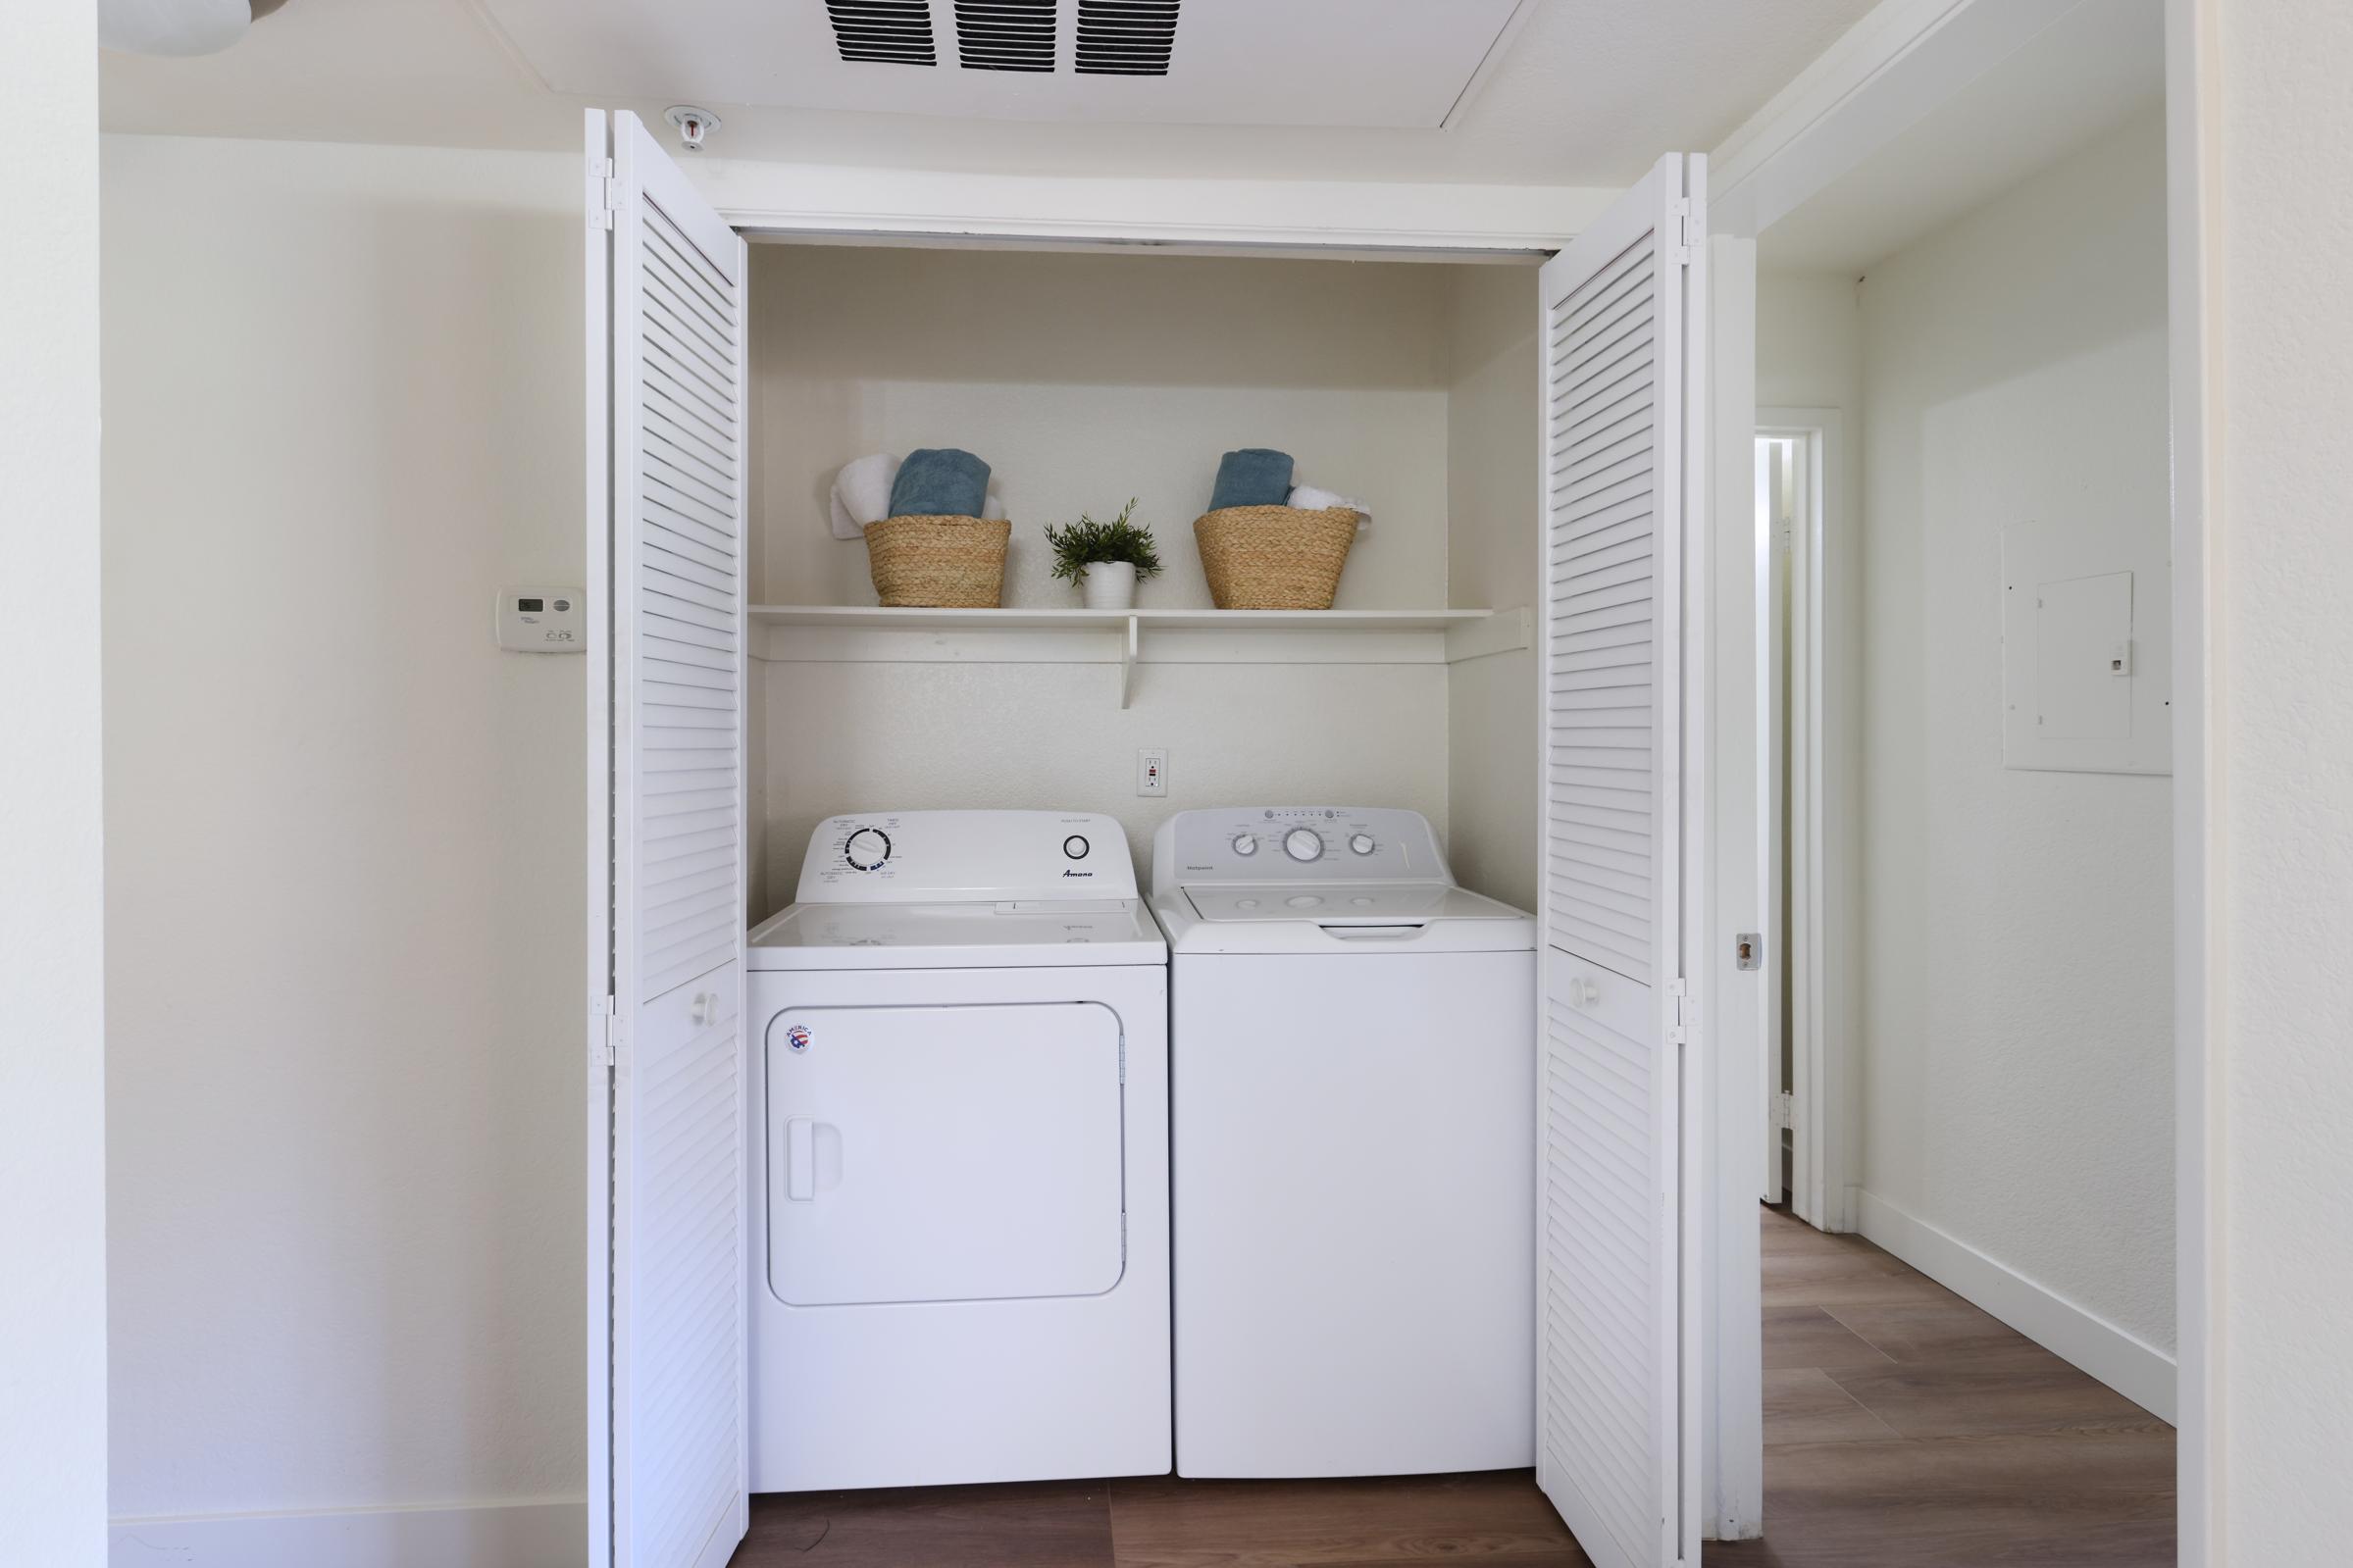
column 1086, row 542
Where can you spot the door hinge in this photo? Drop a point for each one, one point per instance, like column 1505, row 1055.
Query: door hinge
column 1678, row 1032
column 1686, row 229
column 1784, row 1110
column 605, row 1049
column 605, row 192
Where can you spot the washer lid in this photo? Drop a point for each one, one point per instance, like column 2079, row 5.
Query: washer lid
column 999, row 935
column 1344, row 917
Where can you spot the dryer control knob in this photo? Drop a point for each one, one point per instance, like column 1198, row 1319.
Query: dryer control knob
column 1303, row 843
column 867, row 848
column 1361, row 843
column 1244, row 844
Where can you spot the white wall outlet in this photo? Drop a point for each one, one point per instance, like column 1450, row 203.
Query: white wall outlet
column 1152, row 771
column 542, row 621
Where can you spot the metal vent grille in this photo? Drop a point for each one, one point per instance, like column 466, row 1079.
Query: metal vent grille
column 1126, row 37
column 1006, row 34
column 890, row 31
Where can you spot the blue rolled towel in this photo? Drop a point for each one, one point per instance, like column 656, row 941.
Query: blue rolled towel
column 1251, row 477
column 940, row 481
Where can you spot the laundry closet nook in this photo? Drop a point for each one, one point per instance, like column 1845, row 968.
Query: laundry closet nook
column 1088, row 377
column 1337, row 752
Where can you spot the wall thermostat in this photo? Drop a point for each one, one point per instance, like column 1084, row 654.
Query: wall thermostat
column 541, row 621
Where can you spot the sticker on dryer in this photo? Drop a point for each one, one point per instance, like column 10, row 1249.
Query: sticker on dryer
column 797, row 1038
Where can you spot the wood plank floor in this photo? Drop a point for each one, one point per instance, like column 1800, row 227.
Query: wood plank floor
column 1904, row 1429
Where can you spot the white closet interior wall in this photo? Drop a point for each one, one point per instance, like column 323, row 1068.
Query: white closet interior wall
column 1494, row 460
column 1086, row 378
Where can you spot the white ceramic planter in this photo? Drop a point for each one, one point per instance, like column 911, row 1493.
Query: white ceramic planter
column 1110, row 586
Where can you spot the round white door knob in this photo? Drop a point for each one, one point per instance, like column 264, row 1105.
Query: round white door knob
column 1303, row 844
column 706, row 1007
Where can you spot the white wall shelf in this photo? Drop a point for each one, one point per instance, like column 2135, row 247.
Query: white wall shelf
column 870, row 634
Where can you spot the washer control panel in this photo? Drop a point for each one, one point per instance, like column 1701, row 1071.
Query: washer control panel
column 966, row 856
column 1296, row 844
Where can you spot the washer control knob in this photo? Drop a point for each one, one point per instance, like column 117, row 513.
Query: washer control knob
column 1361, row 843
column 1303, row 843
column 1244, row 844
column 1075, row 846
column 867, row 848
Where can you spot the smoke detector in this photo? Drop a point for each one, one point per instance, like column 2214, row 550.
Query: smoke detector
column 694, row 125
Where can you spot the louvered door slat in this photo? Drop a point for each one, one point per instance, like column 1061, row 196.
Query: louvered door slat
column 677, row 1431
column 1614, row 1450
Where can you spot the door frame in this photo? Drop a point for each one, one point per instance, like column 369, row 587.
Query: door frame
column 1821, row 1073
column 1880, row 78
column 1724, row 1407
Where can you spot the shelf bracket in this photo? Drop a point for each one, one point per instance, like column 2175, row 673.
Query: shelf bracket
column 1127, row 662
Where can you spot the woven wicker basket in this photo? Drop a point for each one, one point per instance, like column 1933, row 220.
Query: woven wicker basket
column 939, row 562
column 1274, row 557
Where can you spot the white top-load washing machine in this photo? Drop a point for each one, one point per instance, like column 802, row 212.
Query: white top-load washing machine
column 959, row 1195
column 1352, row 1070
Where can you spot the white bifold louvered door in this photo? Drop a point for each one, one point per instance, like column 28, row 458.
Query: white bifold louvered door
column 1617, row 1341
column 666, row 308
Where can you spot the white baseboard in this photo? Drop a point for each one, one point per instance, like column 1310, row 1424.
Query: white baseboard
column 2131, row 1366
column 536, row 1534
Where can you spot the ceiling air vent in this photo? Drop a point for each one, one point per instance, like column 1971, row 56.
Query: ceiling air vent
column 1126, row 37
column 891, row 31
column 1006, row 34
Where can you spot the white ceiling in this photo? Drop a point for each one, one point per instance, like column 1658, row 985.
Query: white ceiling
column 1232, row 61
column 2100, row 64
column 1588, row 93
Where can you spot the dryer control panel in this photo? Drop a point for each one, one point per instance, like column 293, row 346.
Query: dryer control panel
column 1296, row 844
column 900, row 857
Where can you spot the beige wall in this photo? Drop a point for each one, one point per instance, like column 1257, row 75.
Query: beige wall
column 982, row 735
column 343, row 981
column 1494, row 459
column 2282, row 732
column 53, row 1374
column 1084, row 379
column 2017, row 1089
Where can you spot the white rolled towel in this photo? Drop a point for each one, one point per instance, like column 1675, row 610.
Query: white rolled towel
column 993, row 505
column 862, row 493
column 1309, row 499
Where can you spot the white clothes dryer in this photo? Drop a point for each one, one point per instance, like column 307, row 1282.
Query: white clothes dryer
column 1352, row 1061
column 958, row 1195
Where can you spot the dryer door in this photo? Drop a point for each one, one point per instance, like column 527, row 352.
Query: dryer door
column 945, row 1153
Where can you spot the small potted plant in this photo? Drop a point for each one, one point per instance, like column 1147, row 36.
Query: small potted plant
column 1106, row 560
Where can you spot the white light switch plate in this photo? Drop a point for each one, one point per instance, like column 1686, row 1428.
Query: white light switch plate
column 541, row 621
